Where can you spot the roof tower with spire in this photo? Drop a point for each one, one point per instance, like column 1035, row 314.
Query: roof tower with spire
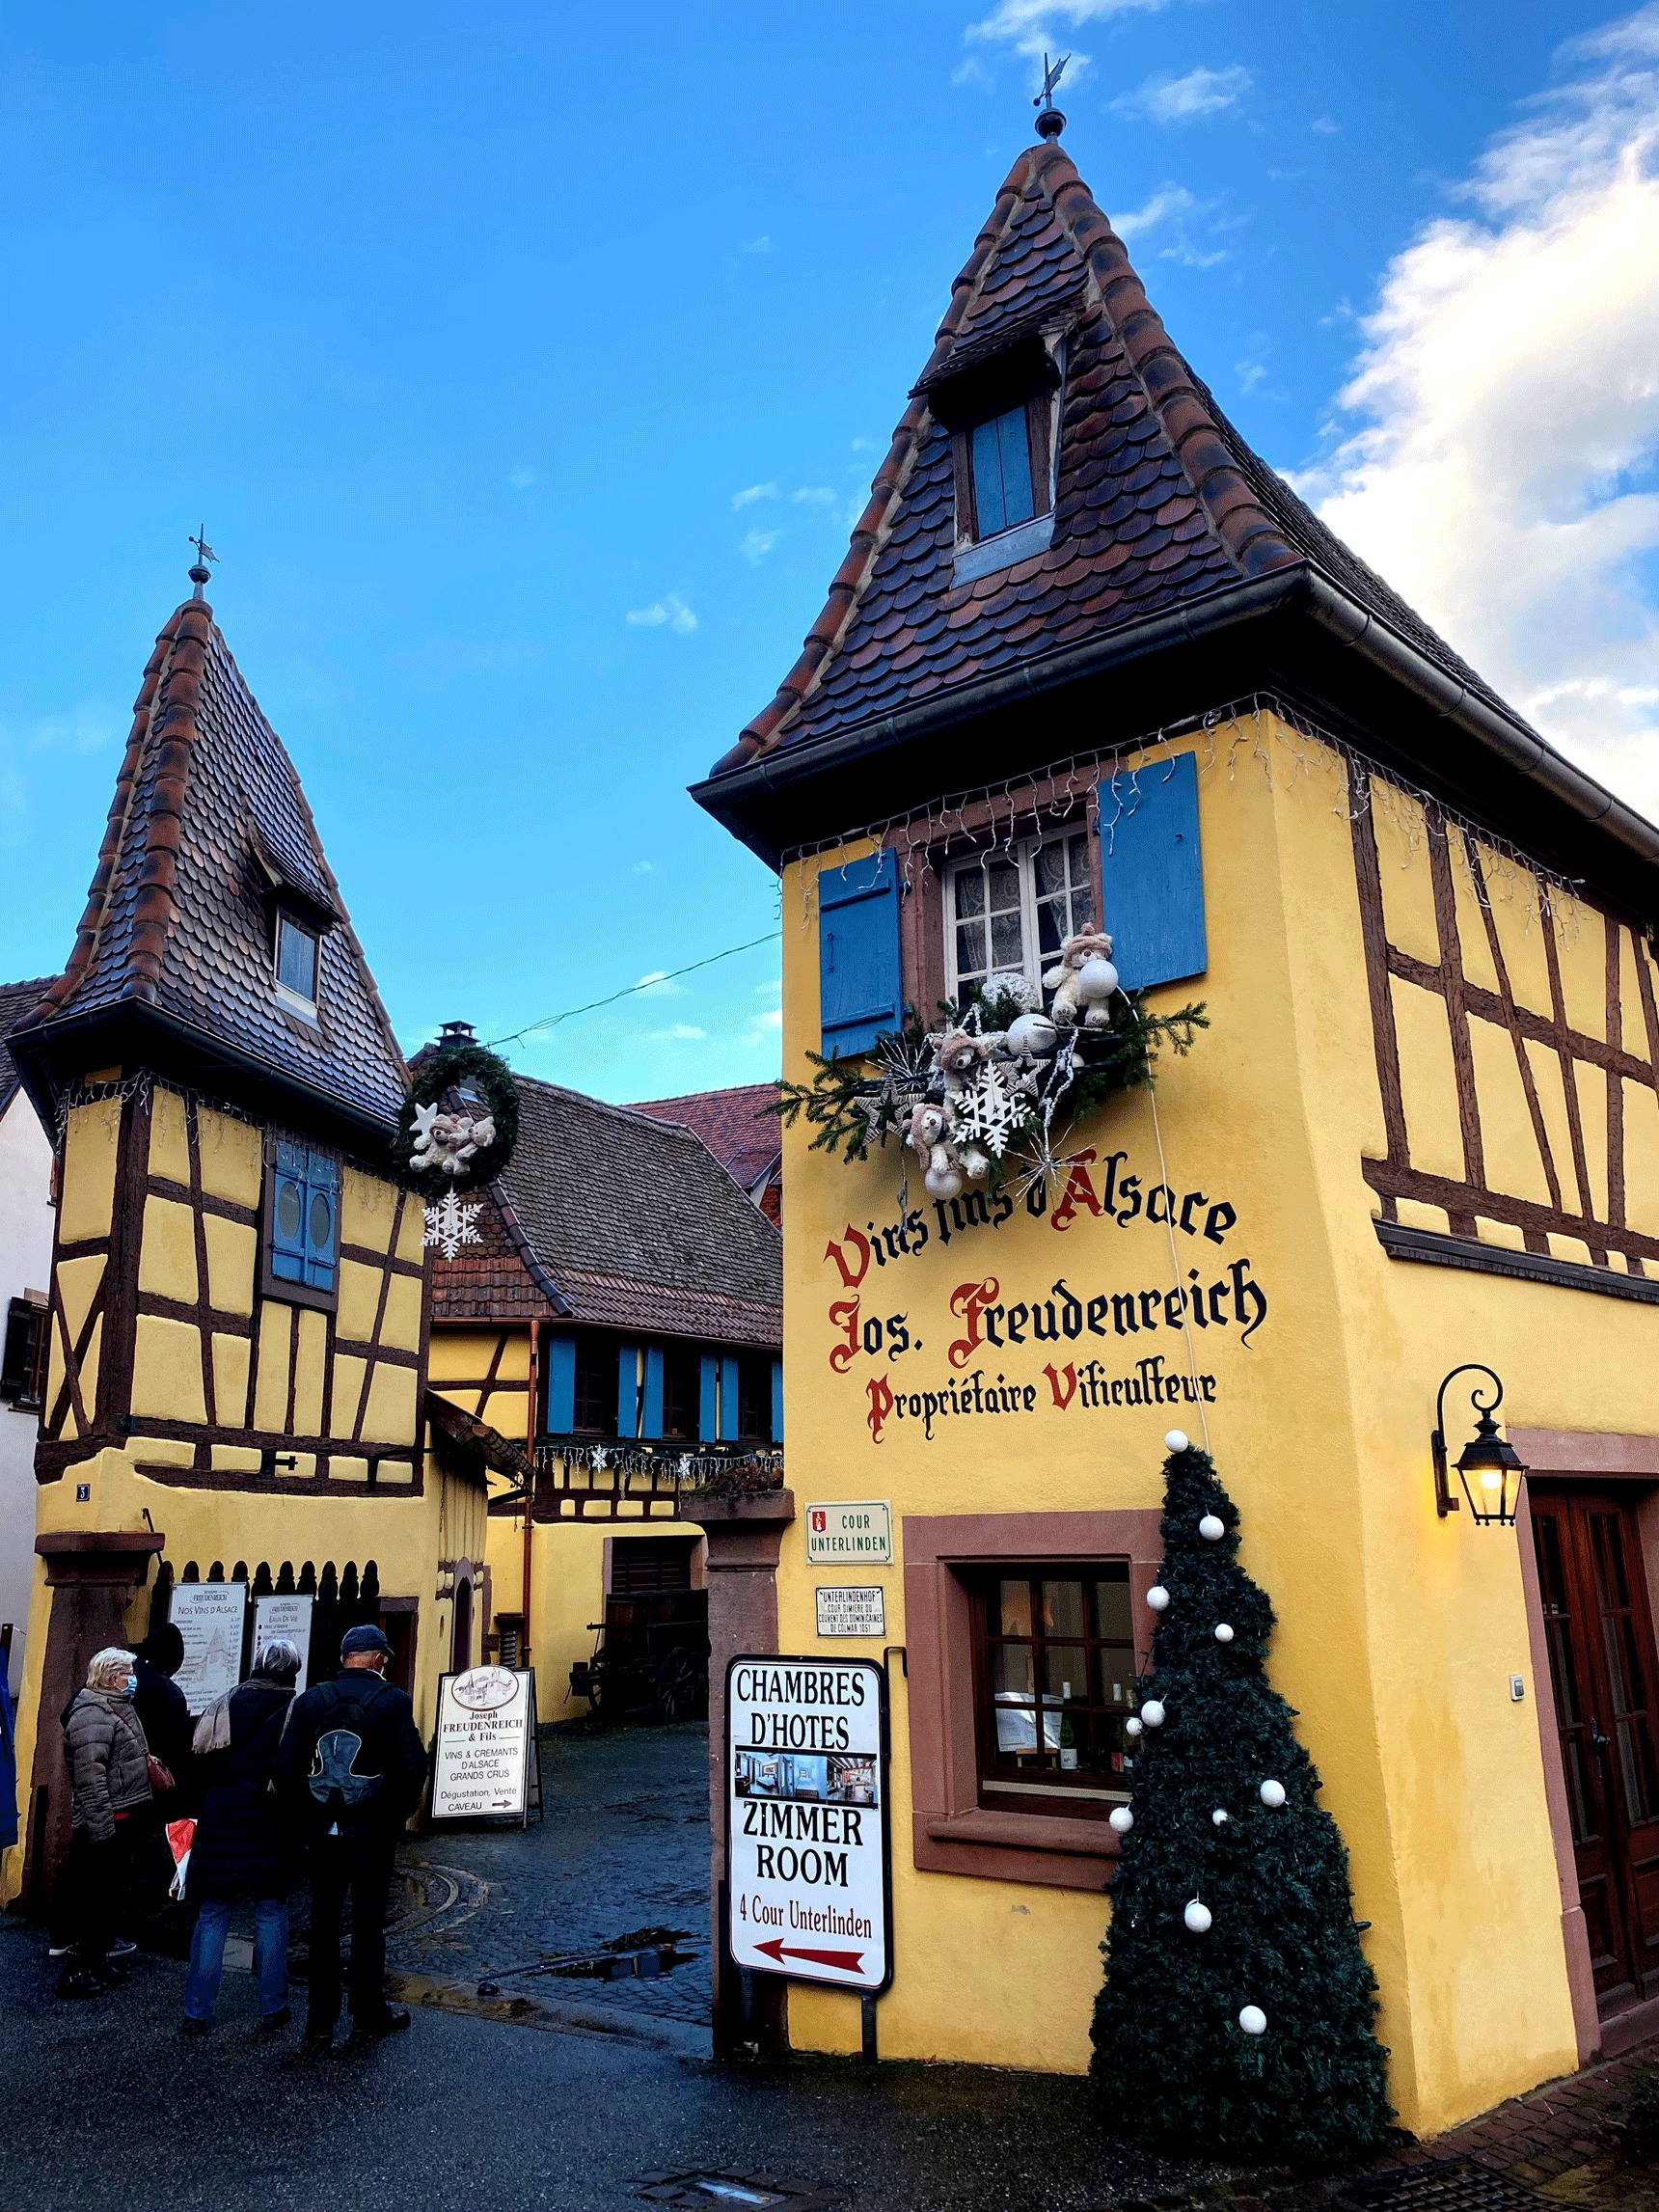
column 1179, row 572
column 209, row 838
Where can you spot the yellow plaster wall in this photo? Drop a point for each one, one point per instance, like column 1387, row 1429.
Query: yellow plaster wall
column 1398, row 1633
column 233, row 1156
column 87, row 1200
column 167, row 1256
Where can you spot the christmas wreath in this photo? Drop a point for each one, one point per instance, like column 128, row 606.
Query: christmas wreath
column 460, row 1120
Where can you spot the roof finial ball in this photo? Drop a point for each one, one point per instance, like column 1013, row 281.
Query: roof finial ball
column 1050, row 122
column 204, row 553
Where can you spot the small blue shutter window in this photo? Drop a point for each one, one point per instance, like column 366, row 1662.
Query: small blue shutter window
column 1001, row 457
column 728, row 1400
column 858, row 971
column 305, row 1215
column 651, row 1407
column 707, row 1398
column 561, row 1386
column 1152, row 873
column 627, row 1390
column 777, row 1400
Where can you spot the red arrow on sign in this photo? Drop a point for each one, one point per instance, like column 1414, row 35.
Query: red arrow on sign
column 847, row 1962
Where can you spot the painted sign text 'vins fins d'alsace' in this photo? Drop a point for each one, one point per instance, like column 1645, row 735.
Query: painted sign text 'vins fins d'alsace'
column 1206, row 1299
column 806, row 1789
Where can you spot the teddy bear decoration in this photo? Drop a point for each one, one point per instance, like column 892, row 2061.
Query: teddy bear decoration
column 448, row 1141
column 1083, row 980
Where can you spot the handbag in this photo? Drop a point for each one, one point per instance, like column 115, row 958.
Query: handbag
column 161, row 1776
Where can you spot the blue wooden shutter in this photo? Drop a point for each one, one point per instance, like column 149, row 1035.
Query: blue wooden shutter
column 777, row 1400
column 728, row 1400
column 288, row 1212
column 651, row 1406
column 708, row 1398
column 323, row 1220
column 561, row 1386
column 1152, row 873
column 858, row 969
column 628, row 1390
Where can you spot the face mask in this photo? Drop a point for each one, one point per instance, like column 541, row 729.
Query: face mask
column 131, row 1684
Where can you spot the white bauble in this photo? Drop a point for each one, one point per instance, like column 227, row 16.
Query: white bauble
column 1177, row 1441
column 1152, row 1714
column 943, row 1182
column 1097, row 981
column 1211, row 1529
column 1223, row 1633
column 1033, row 1037
column 1273, row 1795
column 1121, row 1819
column 1157, row 1598
column 1131, row 1728
column 1197, row 1917
column 1220, row 1818
column 1253, row 2020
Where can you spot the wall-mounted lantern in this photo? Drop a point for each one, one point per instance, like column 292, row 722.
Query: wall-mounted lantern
column 1488, row 1466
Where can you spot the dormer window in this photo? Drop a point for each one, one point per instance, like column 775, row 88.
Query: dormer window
column 999, row 397
column 1000, row 457
column 296, row 965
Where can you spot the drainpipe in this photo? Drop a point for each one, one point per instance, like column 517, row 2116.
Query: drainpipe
column 529, row 1486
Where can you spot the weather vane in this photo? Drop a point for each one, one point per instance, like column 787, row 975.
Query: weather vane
column 1050, row 120
column 204, row 553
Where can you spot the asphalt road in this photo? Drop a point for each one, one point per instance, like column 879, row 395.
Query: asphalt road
column 102, row 2105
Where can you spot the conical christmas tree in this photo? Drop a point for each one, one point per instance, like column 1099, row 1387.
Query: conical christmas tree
column 1237, row 2020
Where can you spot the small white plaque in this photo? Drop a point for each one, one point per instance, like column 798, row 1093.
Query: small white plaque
column 858, row 1534
column 858, row 1609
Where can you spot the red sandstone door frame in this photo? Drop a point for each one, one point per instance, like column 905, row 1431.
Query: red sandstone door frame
column 1566, row 1456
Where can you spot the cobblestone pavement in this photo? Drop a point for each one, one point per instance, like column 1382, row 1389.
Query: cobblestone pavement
column 619, row 1861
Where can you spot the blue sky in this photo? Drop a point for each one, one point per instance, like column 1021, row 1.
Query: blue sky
column 527, row 369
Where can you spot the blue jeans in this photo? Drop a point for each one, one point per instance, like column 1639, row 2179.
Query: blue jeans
column 207, row 1954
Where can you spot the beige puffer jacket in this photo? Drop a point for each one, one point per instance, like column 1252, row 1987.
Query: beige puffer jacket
column 109, row 1760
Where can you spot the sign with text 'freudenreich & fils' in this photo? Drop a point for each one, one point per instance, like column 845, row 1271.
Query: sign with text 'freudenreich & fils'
column 807, row 1785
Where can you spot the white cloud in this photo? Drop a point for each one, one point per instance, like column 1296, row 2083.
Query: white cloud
column 757, row 544
column 1327, row 127
column 669, row 610
column 521, row 477
column 1199, row 93
column 865, row 446
column 1164, row 223
column 816, row 495
column 753, row 493
column 643, row 869
column 1503, row 472
column 657, row 983
column 760, row 245
column 682, row 1032
column 1034, row 27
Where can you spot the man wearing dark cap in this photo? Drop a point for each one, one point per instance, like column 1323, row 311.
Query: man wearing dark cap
column 351, row 1767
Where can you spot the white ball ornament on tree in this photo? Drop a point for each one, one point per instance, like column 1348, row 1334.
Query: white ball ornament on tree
column 1120, row 1819
column 1212, row 1528
column 1220, row 1818
column 1152, row 1714
column 1197, row 1917
column 1131, row 1727
column 1157, row 1598
column 1223, row 1632
column 1272, row 1794
column 1253, row 2020
column 1175, row 1441
column 1033, row 1037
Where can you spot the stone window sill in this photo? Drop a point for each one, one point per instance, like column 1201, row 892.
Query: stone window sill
column 1002, row 551
column 1027, row 1832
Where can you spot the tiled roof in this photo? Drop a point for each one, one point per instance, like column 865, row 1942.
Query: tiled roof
column 208, row 814
column 16, row 999
column 735, row 1125
column 607, row 1216
column 1158, row 501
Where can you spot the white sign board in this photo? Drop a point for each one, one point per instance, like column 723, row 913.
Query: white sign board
column 859, row 1533
column 858, row 1610
column 480, row 1767
column 287, row 1620
column 806, row 1820
column 209, row 1617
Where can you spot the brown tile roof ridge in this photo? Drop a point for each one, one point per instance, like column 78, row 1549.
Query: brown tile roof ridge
column 518, row 1237
column 157, row 895
column 632, row 1113
column 869, row 533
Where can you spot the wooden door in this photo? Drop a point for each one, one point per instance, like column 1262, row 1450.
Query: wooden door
column 1605, row 1682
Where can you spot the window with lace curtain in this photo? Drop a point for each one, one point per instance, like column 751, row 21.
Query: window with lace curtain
column 1010, row 911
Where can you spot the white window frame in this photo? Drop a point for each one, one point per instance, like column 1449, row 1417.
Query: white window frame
column 1023, row 853
column 295, row 1000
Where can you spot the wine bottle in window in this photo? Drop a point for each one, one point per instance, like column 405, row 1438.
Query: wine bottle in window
column 1067, row 1738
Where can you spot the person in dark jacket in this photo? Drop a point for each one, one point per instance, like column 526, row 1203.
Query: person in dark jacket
column 159, row 1704
column 352, row 1768
column 242, row 1846
column 109, row 1781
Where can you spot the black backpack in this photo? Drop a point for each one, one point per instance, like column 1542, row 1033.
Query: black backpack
column 339, row 1779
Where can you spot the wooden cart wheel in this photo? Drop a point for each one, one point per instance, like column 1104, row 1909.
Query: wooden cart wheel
column 679, row 1686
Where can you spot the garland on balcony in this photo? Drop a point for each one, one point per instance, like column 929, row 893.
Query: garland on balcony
column 994, row 1090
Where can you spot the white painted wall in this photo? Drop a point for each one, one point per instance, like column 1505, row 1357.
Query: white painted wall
column 26, row 1223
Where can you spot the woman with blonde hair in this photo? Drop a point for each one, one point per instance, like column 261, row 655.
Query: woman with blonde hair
column 110, row 1778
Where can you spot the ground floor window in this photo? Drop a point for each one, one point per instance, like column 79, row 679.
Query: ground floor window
column 1054, row 1682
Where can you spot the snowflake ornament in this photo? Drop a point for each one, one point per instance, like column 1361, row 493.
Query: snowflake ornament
column 450, row 1225
column 990, row 1112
